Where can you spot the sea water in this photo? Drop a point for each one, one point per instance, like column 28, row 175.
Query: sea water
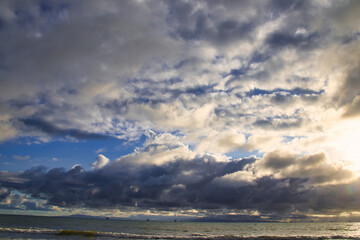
column 33, row 227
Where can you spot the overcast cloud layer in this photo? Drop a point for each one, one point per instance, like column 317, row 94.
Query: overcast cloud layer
column 277, row 81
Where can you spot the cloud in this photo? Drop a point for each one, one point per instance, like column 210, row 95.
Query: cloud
column 278, row 123
column 75, row 84
column 19, row 201
column 316, row 168
column 348, row 88
column 353, row 109
column 274, row 78
column 300, row 41
column 237, row 179
column 296, row 91
column 342, row 17
column 199, row 25
column 173, row 184
column 21, row 158
column 164, row 175
column 165, row 73
column 4, row 193
column 100, row 150
column 221, row 142
column 157, row 150
column 51, row 129
column 7, row 132
column 100, row 162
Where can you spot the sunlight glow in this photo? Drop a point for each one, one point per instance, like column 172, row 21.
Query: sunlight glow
column 348, row 144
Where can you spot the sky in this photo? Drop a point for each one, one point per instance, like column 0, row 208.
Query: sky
column 228, row 110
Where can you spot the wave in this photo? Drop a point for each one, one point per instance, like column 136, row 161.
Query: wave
column 194, row 236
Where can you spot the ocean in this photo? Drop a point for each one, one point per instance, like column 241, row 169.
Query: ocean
column 34, row 227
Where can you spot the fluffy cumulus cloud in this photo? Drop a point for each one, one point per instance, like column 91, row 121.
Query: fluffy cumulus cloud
column 316, row 168
column 275, row 82
column 100, row 162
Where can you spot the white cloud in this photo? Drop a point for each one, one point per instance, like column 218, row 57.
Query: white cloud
column 316, row 168
column 237, row 179
column 221, row 142
column 100, row 150
column 21, row 158
column 100, row 162
column 158, row 150
column 7, row 132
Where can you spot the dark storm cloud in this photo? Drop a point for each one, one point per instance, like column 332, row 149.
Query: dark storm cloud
column 198, row 183
column 11, row 200
column 53, row 130
column 146, row 186
column 162, row 189
column 35, row 207
column 4, row 193
column 332, row 197
column 7, row 206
